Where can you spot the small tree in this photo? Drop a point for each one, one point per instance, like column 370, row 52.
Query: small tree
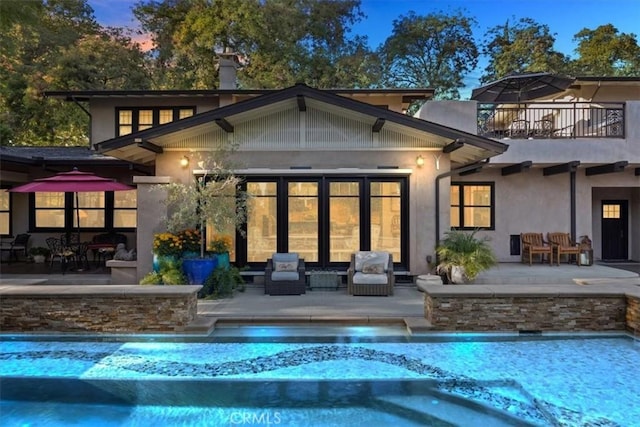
column 212, row 200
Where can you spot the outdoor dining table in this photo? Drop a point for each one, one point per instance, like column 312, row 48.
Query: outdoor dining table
column 100, row 251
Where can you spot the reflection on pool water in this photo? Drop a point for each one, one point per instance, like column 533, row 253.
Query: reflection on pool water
column 320, row 376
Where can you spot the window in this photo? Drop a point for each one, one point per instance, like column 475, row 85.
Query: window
column 472, row 205
column 344, row 217
column 325, row 218
column 124, row 209
column 611, row 211
column 303, row 219
column 5, row 213
column 385, row 217
column 261, row 220
column 132, row 120
column 95, row 210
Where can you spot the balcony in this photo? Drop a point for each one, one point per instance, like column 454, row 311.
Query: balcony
column 549, row 120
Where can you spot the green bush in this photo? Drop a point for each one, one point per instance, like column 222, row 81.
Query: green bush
column 465, row 250
column 170, row 274
column 222, row 283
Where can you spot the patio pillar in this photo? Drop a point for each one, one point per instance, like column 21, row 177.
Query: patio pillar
column 150, row 218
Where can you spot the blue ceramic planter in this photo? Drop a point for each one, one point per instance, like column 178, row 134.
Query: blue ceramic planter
column 160, row 260
column 223, row 260
column 198, row 269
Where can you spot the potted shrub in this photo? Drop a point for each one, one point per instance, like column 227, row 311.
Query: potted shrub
column 39, row 253
column 213, row 201
column 220, row 245
column 462, row 256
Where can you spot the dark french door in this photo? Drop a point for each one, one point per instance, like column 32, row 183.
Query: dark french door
column 324, row 218
column 615, row 230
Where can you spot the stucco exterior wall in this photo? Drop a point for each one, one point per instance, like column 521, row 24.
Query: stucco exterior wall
column 421, row 185
column 103, row 111
column 460, row 115
column 532, row 202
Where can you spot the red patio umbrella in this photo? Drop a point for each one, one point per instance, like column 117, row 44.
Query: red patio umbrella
column 73, row 181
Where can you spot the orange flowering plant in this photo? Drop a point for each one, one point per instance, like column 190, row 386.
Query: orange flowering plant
column 220, row 244
column 190, row 239
column 167, row 244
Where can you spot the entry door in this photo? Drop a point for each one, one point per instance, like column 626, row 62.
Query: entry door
column 615, row 238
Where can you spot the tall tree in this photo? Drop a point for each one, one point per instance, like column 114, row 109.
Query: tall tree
column 606, row 52
column 435, row 50
column 280, row 41
column 524, row 46
column 59, row 45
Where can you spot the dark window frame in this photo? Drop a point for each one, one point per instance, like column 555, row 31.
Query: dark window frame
column 461, row 205
column 69, row 212
column 9, row 211
column 323, row 195
column 135, row 124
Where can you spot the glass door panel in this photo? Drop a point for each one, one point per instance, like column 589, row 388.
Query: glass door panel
column 386, row 218
column 344, row 218
column 303, row 220
column 262, row 226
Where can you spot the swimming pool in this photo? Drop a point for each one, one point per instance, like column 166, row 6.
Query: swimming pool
column 320, row 376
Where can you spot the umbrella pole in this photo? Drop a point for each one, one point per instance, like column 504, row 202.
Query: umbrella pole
column 78, row 214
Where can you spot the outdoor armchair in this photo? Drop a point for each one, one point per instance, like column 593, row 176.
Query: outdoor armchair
column 285, row 275
column 534, row 244
column 371, row 273
column 562, row 244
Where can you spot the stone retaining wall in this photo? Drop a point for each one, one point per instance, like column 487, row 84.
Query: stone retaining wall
column 109, row 308
column 633, row 313
column 510, row 308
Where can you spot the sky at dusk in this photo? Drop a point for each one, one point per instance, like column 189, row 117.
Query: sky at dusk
column 564, row 17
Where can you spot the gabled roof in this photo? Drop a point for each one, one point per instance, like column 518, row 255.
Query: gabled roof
column 145, row 145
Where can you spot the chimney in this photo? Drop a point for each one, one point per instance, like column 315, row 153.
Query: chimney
column 227, row 66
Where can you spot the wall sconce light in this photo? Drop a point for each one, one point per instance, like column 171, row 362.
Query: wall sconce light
column 184, row 161
column 420, row 161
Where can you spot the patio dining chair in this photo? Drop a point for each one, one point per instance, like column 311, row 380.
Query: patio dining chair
column 19, row 244
column 534, row 244
column 563, row 245
column 60, row 253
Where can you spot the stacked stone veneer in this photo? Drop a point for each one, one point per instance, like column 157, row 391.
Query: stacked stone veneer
column 112, row 309
column 633, row 313
column 470, row 308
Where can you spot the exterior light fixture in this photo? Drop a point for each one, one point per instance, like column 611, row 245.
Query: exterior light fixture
column 420, row 161
column 184, row 161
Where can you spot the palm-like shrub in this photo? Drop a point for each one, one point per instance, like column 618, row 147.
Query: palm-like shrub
column 460, row 249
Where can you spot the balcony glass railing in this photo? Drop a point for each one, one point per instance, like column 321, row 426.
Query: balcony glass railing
column 551, row 120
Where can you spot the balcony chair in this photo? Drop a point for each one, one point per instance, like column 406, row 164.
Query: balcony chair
column 19, row 244
column 562, row 244
column 371, row 273
column 534, row 244
column 518, row 129
column 285, row 275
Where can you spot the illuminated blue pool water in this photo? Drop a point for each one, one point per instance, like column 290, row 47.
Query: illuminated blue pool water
column 319, row 377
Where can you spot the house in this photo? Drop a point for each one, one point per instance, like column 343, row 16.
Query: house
column 579, row 175
column 334, row 171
